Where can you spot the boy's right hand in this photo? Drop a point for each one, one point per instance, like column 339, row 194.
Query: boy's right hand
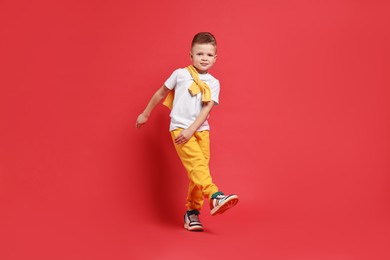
column 141, row 120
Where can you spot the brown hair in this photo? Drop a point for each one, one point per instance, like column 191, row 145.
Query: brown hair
column 204, row 37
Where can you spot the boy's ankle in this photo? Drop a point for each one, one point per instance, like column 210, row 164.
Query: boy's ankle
column 193, row 211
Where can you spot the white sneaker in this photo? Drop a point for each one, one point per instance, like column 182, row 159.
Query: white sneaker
column 191, row 221
column 221, row 203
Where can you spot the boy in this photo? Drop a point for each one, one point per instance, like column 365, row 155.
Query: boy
column 192, row 93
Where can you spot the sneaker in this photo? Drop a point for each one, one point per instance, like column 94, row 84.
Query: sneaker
column 191, row 221
column 219, row 203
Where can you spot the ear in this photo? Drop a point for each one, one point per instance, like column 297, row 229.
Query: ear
column 190, row 55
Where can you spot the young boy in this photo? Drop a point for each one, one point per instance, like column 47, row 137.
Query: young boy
column 192, row 93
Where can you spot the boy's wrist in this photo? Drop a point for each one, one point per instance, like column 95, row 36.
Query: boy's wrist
column 145, row 114
column 191, row 129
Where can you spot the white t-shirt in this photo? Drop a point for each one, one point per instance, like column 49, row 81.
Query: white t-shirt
column 186, row 108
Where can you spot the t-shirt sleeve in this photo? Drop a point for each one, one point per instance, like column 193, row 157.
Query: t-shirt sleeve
column 172, row 80
column 215, row 92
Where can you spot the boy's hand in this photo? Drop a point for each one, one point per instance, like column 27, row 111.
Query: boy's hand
column 184, row 136
column 141, row 120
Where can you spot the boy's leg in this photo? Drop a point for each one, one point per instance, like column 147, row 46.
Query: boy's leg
column 203, row 139
column 195, row 156
column 219, row 202
column 194, row 197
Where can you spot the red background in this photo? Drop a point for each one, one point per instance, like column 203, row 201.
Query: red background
column 301, row 133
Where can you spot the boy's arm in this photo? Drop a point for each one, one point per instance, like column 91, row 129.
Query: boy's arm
column 156, row 98
column 186, row 134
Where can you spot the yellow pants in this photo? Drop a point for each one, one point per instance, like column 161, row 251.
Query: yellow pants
column 195, row 156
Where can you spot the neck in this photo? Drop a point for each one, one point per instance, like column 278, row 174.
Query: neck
column 199, row 71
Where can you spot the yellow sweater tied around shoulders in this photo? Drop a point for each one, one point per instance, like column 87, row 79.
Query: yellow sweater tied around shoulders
column 198, row 86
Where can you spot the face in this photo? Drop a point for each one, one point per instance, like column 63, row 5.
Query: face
column 203, row 56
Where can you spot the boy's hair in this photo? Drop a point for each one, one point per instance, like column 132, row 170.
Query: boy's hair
column 204, row 37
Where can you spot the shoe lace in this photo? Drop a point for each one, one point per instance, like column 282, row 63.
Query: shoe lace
column 221, row 197
column 193, row 217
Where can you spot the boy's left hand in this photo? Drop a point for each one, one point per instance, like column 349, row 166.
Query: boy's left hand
column 184, row 136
